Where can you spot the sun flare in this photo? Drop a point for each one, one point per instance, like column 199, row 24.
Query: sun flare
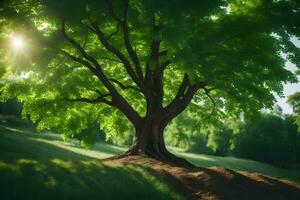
column 17, row 42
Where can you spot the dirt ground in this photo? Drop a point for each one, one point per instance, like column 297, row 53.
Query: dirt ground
column 217, row 183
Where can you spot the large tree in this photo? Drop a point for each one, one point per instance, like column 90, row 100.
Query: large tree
column 141, row 63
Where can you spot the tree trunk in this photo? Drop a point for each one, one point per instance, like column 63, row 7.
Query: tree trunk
column 149, row 141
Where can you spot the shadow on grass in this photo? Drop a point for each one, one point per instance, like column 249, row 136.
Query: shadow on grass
column 60, row 179
column 98, row 151
column 243, row 165
column 31, row 169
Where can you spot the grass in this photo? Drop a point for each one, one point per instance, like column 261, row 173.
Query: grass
column 242, row 165
column 43, row 166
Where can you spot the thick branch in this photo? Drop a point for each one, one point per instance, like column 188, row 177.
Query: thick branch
column 95, row 71
column 129, row 48
column 117, row 99
column 79, row 48
column 155, row 69
column 179, row 104
column 104, row 41
column 165, row 64
column 158, row 85
column 183, row 86
column 153, row 62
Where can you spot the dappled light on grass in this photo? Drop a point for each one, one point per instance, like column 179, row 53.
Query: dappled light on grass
column 98, row 151
column 60, row 179
column 31, row 169
column 50, row 143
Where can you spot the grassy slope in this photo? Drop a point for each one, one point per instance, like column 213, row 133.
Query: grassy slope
column 39, row 164
column 242, row 165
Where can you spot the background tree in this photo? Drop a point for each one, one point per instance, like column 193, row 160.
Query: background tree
column 270, row 139
column 146, row 61
column 294, row 101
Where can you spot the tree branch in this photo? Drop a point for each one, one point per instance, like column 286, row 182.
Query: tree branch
column 96, row 70
column 100, row 93
column 124, row 87
column 117, row 99
column 153, row 61
column 212, row 100
column 115, row 32
column 165, row 64
column 182, row 88
column 79, row 60
column 92, row 101
column 179, row 104
column 128, row 45
column 111, row 59
column 78, row 47
column 103, row 39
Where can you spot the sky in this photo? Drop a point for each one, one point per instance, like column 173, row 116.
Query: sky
column 289, row 88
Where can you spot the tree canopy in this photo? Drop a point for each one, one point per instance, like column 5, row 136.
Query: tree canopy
column 139, row 62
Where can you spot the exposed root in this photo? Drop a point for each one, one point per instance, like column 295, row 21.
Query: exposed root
column 165, row 157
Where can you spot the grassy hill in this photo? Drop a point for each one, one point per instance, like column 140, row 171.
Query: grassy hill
column 43, row 166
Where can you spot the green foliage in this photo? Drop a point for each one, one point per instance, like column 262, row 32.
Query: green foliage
column 269, row 139
column 233, row 46
column 212, row 138
column 199, row 144
column 294, row 101
column 219, row 140
column 10, row 108
column 124, row 138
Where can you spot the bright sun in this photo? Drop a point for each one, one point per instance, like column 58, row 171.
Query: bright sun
column 17, row 42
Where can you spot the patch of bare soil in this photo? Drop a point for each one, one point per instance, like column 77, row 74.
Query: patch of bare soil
column 217, row 183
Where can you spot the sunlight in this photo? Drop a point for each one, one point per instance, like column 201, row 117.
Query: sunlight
column 17, row 42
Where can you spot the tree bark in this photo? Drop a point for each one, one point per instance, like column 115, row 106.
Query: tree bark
column 149, row 141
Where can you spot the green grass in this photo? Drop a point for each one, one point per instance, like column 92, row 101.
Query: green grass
column 43, row 166
column 242, row 165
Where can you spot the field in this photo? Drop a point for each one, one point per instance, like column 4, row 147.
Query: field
column 44, row 166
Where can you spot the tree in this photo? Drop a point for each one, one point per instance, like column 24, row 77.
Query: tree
column 219, row 141
column 294, row 101
column 146, row 61
column 270, row 138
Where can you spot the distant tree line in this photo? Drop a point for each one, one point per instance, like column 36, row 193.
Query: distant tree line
column 270, row 138
column 10, row 108
column 11, row 113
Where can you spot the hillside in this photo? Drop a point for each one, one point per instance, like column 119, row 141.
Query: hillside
column 43, row 166
column 36, row 166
